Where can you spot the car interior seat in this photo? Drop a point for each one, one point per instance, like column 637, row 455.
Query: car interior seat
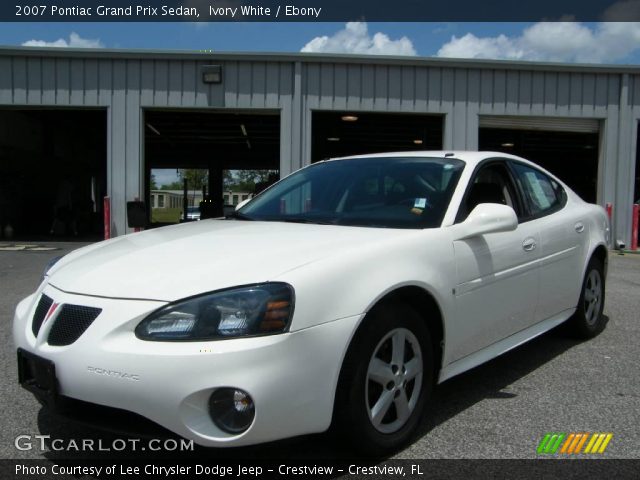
column 485, row 192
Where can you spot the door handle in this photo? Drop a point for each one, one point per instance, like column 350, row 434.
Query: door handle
column 529, row 245
column 579, row 227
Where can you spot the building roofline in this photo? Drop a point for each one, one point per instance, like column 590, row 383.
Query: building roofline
column 139, row 54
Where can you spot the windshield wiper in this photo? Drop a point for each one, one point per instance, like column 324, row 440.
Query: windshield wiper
column 238, row 216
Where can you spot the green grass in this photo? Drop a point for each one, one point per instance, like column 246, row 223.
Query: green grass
column 166, row 215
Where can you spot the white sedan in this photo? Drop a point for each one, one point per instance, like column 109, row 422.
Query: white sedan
column 337, row 297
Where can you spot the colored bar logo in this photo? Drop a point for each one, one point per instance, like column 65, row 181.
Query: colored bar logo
column 573, row 443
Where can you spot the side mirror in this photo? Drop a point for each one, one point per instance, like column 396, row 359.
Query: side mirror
column 488, row 218
column 242, row 204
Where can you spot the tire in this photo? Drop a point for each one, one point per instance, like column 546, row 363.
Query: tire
column 588, row 320
column 380, row 400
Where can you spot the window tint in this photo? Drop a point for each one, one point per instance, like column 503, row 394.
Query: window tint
column 542, row 194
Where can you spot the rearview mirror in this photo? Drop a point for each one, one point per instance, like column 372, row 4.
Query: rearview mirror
column 488, row 218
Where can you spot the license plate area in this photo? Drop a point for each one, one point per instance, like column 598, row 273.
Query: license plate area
column 38, row 375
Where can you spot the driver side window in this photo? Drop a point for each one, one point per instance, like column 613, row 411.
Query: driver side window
column 491, row 184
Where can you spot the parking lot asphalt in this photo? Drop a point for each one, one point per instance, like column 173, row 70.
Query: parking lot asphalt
column 499, row 410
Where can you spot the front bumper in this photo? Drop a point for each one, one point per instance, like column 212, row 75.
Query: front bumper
column 291, row 377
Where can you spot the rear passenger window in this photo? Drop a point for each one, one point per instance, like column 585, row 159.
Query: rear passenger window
column 542, row 194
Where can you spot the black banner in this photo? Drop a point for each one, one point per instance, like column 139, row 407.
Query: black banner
column 317, row 10
column 320, row 469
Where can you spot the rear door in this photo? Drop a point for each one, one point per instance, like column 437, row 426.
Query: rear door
column 497, row 274
column 563, row 238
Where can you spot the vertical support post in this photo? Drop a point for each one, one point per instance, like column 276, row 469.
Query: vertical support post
column 185, row 199
column 215, row 190
column 634, row 227
column 137, row 229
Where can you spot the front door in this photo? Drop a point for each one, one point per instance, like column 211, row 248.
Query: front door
column 497, row 281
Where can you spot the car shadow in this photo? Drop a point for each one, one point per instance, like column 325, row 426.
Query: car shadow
column 452, row 397
column 491, row 379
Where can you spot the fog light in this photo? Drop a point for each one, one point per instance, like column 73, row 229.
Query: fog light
column 231, row 409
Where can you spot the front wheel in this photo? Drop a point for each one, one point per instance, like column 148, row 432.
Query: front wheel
column 385, row 380
column 588, row 321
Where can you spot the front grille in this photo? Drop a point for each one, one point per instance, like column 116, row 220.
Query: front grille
column 72, row 321
column 41, row 311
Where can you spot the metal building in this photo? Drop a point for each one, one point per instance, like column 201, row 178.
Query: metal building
column 126, row 111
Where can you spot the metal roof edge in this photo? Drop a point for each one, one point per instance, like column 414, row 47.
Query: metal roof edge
column 141, row 54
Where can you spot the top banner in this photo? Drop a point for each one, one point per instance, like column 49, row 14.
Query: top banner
column 318, row 10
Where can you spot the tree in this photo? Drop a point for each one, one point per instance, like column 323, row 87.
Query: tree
column 195, row 177
column 227, row 180
column 177, row 185
column 245, row 180
column 152, row 182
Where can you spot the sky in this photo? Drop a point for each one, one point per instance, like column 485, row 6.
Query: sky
column 554, row 41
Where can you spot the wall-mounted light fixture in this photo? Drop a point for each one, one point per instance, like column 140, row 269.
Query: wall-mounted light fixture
column 212, row 73
column 349, row 118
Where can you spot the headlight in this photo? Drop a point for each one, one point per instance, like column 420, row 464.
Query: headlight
column 49, row 265
column 262, row 309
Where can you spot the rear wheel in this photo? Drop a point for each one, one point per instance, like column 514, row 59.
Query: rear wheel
column 588, row 320
column 385, row 380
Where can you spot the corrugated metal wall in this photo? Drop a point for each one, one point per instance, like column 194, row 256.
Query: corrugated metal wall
column 127, row 84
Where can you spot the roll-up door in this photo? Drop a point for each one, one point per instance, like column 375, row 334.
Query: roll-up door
column 551, row 124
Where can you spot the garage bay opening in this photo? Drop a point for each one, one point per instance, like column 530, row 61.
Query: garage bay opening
column 338, row 134
column 52, row 173
column 568, row 148
column 202, row 164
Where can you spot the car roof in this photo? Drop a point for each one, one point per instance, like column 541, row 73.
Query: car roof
column 468, row 156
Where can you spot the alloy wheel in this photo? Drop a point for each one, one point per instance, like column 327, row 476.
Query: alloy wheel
column 394, row 380
column 592, row 297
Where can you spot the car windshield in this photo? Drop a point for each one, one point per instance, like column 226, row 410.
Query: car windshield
column 193, row 209
column 388, row 192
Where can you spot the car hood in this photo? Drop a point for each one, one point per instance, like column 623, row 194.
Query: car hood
column 175, row 262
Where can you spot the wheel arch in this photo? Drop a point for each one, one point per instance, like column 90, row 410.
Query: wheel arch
column 602, row 254
column 426, row 306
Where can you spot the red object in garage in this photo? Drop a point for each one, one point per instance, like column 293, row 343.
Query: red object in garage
column 107, row 217
column 609, row 208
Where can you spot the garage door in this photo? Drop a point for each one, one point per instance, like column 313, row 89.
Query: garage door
column 550, row 124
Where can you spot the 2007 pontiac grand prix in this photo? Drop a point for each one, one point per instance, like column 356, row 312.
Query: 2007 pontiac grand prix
column 337, row 297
